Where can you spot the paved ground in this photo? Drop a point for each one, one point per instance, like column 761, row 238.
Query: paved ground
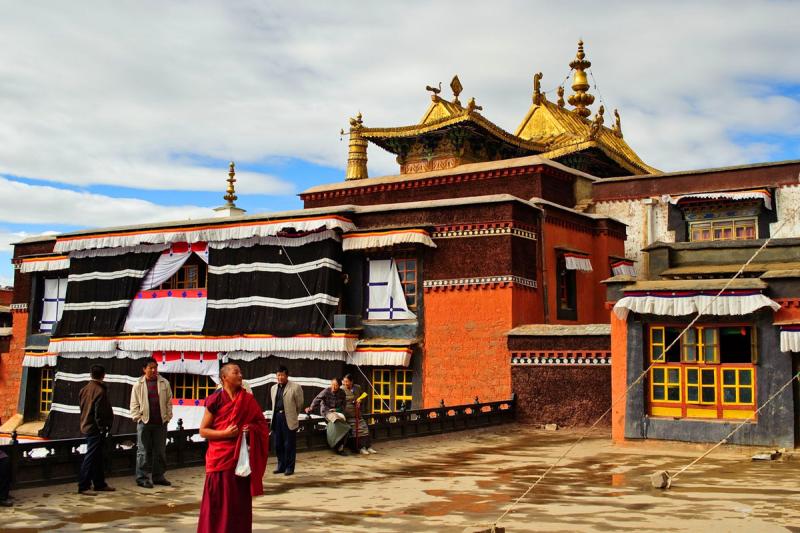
column 460, row 481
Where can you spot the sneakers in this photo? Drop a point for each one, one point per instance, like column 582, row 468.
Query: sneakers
column 372, row 450
column 363, row 451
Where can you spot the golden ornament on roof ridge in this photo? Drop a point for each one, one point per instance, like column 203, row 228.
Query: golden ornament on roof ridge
column 580, row 99
column 231, row 197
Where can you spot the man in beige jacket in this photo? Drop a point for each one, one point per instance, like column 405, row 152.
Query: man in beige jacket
column 287, row 403
column 151, row 409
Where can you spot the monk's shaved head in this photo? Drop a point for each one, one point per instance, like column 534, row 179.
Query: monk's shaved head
column 225, row 369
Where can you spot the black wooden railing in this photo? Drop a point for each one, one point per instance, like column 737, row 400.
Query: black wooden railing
column 58, row 461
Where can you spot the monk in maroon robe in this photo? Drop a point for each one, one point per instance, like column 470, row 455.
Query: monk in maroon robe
column 232, row 414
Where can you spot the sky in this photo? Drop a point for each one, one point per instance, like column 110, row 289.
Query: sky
column 127, row 112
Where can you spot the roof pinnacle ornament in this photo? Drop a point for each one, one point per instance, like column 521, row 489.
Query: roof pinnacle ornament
column 230, row 196
column 580, row 99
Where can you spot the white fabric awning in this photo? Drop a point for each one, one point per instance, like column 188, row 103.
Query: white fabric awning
column 198, row 363
column 381, row 239
column 578, row 262
column 758, row 194
column 200, row 343
column 790, row 340
column 38, row 360
column 674, row 304
column 381, row 356
column 44, row 264
column 201, row 233
column 623, row 268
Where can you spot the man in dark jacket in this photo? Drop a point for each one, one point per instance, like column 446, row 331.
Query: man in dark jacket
column 96, row 418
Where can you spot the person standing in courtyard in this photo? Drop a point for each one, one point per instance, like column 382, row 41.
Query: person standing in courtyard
column 233, row 424
column 151, row 409
column 287, row 403
column 96, row 418
column 330, row 403
column 360, row 441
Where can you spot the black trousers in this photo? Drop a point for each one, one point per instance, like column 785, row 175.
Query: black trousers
column 5, row 477
column 92, row 468
column 285, row 442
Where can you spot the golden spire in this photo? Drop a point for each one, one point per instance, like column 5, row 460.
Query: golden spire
column 456, row 87
column 357, row 155
column 231, row 197
column 580, row 84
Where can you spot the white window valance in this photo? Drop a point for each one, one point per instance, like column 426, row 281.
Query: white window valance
column 579, row 262
column 381, row 239
column 757, row 194
column 44, row 264
column 790, row 340
column 381, row 356
column 683, row 304
column 198, row 363
column 204, row 233
column 38, row 360
column 386, row 300
column 623, row 268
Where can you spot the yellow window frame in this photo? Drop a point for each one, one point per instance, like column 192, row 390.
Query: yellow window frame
column 46, row 380
column 702, row 372
column 737, row 386
column 190, row 386
column 720, row 225
column 402, row 388
column 666, row 383
column 382, row 393
column 661, row 344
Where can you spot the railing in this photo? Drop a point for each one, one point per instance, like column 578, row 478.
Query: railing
column 58, row 461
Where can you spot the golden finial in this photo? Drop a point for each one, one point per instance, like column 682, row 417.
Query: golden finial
column 231, row 197
column 456, row 87
column 472, row 106
column 357, row 155
column 434, row 91
column 537, row 88
column 560, row 92
column 580, row 83
column 617, row 129
column 597, row 123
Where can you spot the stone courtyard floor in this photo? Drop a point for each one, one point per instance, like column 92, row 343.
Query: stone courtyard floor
column 459, row 482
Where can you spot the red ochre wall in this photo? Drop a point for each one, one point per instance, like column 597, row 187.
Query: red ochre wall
column 11, row 366
column 466, row 353
column 591, row 294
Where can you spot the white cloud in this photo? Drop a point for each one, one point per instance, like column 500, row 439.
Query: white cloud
column 37, row 204
column 119, row 93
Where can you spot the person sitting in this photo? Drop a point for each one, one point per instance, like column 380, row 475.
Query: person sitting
column 331, row 402
column 360, row 441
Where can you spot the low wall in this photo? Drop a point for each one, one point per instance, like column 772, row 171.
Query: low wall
column 562, row 394
column 58, row 461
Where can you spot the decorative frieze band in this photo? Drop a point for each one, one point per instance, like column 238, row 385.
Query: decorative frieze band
column 19, row 308
column 502, row 281
column 563, row 358
column 461, row 232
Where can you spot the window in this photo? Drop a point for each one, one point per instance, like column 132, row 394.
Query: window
column 701, row 385
column 192, row 275
column 191, row 386
column 53, row 297
column 407, row 268
column 737, row 386
column 724, row 230
column 665, row 384
column 382, row 395
column 45, row 390
column 566, row 284
column 710, row 373
column 402, row 389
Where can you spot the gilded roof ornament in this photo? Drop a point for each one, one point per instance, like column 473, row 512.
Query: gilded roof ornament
column 357, row 153
column 580, row 99
column 617, row 129
column 472, row 106
column 434, row 91
column 597, row 123
column 230, row 196
column 456, row 87
column 560, row 92
column 537, row 88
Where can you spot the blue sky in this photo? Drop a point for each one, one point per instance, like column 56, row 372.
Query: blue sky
column 128, row 112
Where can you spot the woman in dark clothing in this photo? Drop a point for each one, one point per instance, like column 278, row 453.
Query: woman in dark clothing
column 331, row 403
column 360, row 441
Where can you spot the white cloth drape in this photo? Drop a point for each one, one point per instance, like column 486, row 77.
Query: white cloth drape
column 726, row 305
column 167, row 265
column 623, row 269
column 198, row 363
column 38, row 360
column 577, row 262
column 790, row 341
column 55, row 293
column 48, row 264
column 381, row 239
column 166, row 313
column 381, row 357
column 734, row 195
column 387, row 301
